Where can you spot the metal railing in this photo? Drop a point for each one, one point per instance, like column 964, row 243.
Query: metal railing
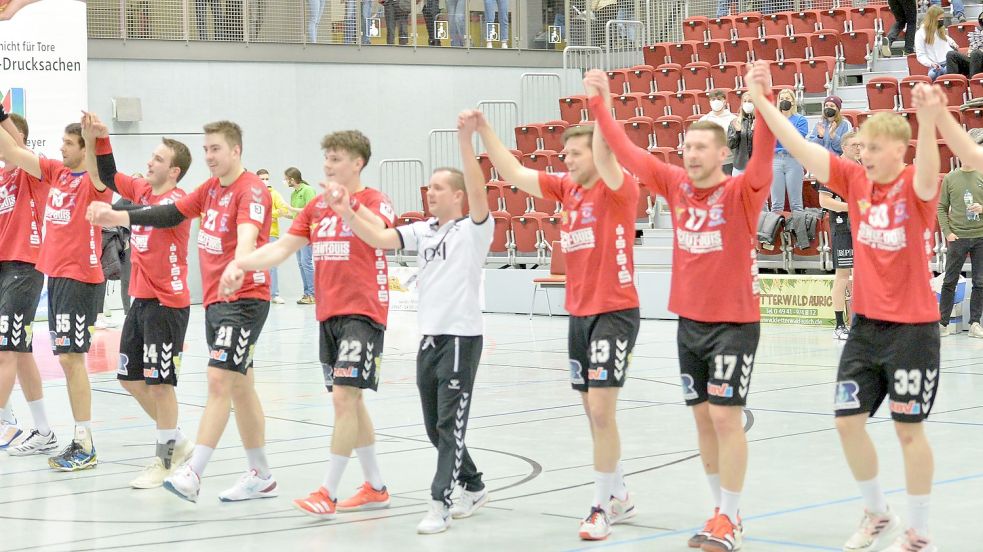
column 503, row 116
column 401, row 179
column 444, row 150
column 538, row 93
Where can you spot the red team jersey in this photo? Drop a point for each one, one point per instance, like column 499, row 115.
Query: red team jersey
column 22, row 200
column 714, row 261
column 350, row 277
column 222, row 209
column 892, row 231
column 72, row 247
column 597, row 236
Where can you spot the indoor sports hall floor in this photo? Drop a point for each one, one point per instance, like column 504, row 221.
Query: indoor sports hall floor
column 527, row 434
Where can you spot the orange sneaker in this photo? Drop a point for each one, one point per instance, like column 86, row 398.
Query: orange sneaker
column 725, row 537
column 366, row 498
column 318, row 504
column 700, row 537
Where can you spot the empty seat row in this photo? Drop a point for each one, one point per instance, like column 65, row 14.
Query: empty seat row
column 754, row 24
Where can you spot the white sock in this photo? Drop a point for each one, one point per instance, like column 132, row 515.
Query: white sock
column 83, row 435
column 40, row 416
column 179, row 436
column 874, row 499
column 604, row 483
column 335, row 470
column 200, row 458
column 7, row 415
column 729, row 503
column 370, row 466
column 86, row 424
column 257, row 462
column 918, row 513
column 620, row 490
column 164, row 436
column 714, row 480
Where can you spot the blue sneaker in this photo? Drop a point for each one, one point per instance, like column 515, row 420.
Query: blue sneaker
column 74, row 458
column 9, row 434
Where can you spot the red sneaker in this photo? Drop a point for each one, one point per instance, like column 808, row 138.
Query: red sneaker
column 366, row 498
column 318, row 504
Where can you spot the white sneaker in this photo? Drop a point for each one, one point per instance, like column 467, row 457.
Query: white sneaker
column 9, row 434
column 34, row 443
column 278, row 300
column 621, row 510
column 489, row 45
column 945, row 330
column 469, row 502
column 152, row 476
column 975, row 330
column 185, row 483
column 841, row 333
column 505, row 44
column 437, row 520
column 250, row 486
column 912, row 542
column 182, row 453
column 876, row 531
column 595, row 526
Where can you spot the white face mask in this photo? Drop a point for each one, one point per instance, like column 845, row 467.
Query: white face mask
column 716, row 105
column 748, row 107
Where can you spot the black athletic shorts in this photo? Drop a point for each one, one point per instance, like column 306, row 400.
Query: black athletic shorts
column 716, row 360
column 600, row 348
column 351, row 351
column 231, row 330
column 842, row 247
column 152, row 341
column 72, row 309
column 20, row 291
column 900, row 361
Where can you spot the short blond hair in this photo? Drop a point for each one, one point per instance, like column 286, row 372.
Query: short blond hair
column 886, row 125
column 231, row 131
column 718, row 132
column 454, row 177
column 579, row 130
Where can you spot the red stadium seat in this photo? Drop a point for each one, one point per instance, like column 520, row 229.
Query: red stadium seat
column 525, row 235
column 785, row 73
column 865, row 17
column 653, row 105
column 795, row 46
column 639, row 130
column 747, row 26
column 766, row 48
column 710, row 51
column 410, row 217
column 537, row 161
column 886, row 16
column 667, row 77
column 776, row 24
column 618, row 81
column 976, row 85
column 573, row 109
column 804, row 22
column 817, row 74
column 882, row 93
column 836, row 18
column 655, row 54
column 907, row 84
column 737, row 50
column 639, row 79
column 825, row 43
column 914, row 67
column 947, row 159
column 515, row 200
column 956, row 88
column 553, row 135
column 696, row 76
column 695, row 28
column 493, row 191
column 527, row 137
column 857, row 46
column 972, row 118
column 960, row 33
column 550, row 223
column 668, row 131
column 851, row 115
column 502, row 240
column 682, row 103
column 721, row 28
column 727, row 75
column 542, row 205
column 682, row 52
column 626, row 106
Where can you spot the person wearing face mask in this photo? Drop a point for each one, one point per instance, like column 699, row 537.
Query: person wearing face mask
column 829, row 130
column 740, row 135
column 788, row 173
column 932, row 43
column 721, row 115
column 970, row 63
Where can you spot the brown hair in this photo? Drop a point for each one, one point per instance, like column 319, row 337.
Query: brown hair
column 293, row 173
column 231, row 131
column 181, row 158
column 718, row 133
column 75, row 129
column 262, row 171
column 716, row 93
column 20, row 123
column 456, row 179
column 351, row 141
column 579, row 130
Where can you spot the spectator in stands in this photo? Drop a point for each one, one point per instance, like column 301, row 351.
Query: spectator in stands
column 958, row 10
column 201, row 7
column 302, row 194
column 905, row 19
column 724, row 7
column 314, row 12
column 352, row 23
column 277, row 209
column 455, row 16
column 741, row 134
column 842, row 238
column 829, row 130
column 932, row 43
column 959, row 218
column 720, row 114
column 501, row 9
column 397, row 20
column 431, row 9
column 788, row 171
column 960, row 63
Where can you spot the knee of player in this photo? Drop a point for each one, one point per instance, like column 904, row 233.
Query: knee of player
column 159, row 392
column 7, row 360
column 132, row 387
column 909, row 433
column 345, row 400
column 726, row 419
column 849, row 426
column 601, row 416
column 71, row 361
column 220, row 383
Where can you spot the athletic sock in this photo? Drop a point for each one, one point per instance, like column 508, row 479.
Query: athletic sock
column 40, row 416
column 604, row 483
column 370, row 466
column 918, row 513
column 839, row 319
column 335, row 470
column 199, row 459
column 874, row 499
column 620, row 489
column 714, row 480
column 83, row 435
column 729, row 503
column 165, row 436
column 258, row 463
column 7, row 415
column 179, row 436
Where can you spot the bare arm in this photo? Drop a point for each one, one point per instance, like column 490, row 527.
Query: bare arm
column 265, row 257
column 508, row 166
column 596, row 84
column 474, row 179
column 826, row 201
column 927, row 157
column 93, row 128
column 17, row 156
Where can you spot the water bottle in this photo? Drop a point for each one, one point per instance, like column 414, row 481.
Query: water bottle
column 968, row 200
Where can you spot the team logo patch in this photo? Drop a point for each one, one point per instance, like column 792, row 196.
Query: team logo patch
column 220, row 355
column 150, row 373
column 597, row 374
column 124, row 362
column 689, row 388
column 349, row 372
column 328, row 374
column 909, row 408
column 576, row 372
column 257, row 212
column 724, row 390
column 847, row 395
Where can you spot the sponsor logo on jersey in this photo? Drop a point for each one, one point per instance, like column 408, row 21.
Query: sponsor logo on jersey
column 140, row 242
column 847, row 395
column 689, row 388
column 211, row 244
column 577, row 240
column 332, row 250
column 700, row 242
column 597, row 374
column 893, row 239
column 257, row 212
column 724, row 390
column 220, row 355
column 911, row 408
column 349, row 372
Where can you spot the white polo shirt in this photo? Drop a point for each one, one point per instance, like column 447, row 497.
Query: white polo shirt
column 451, row 259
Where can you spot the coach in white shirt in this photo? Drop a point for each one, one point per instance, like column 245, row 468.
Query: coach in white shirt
column 451, row 255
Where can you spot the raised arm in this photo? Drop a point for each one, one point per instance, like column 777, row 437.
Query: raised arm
column 813, row 157
column 508, row 166
column 932, row 98
column 16, row 155
column 596, row 84
column 474, row 179
column 927, row 152
column 99, row 160
column 371, row 233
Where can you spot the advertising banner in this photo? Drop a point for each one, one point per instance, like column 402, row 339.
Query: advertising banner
column 800, row 300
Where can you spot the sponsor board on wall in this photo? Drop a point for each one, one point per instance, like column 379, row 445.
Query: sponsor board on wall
column 798, row 300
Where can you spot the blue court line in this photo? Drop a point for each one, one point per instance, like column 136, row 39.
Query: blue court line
column 776, row 513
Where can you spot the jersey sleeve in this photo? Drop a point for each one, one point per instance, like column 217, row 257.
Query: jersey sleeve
column 193, row 204
column 409, row 234
column 481, row 234
column 301, row 226
column 49, row 169
column 551, row 184
column 841, row 173
column 381, row 207
column 254, row 206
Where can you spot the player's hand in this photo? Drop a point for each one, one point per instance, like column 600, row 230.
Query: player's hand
column 231, row 280
column 338, row 199
column 467, row 124
column 758, row 80
column 596, row 84
column 101, row 213
column 951, row 237
column 929, row 101
column 481, row 123
column 975, row 208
